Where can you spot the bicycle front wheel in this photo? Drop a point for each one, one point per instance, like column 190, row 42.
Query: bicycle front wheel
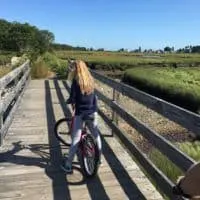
column 90, row 156
column 62, row 131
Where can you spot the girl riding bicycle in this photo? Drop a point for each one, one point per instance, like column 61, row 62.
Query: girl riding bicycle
column 84, row 101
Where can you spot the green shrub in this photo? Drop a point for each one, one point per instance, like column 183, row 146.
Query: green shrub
column 51, row 60
column 180, row 86
column 39, row 69
column 61, row 70
column 55, row 64
column 4, row 59
column 165, row 165
column 191, row 149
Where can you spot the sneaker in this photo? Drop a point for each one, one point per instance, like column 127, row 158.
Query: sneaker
column 100, row 162
column 67, row 167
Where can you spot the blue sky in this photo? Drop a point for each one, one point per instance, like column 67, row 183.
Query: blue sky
column 111, row 24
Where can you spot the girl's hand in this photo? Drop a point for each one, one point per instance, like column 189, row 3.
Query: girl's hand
column 73, row 109
column 68, row 101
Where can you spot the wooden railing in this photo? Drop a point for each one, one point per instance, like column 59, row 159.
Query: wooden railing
column 179, row 115
column 11, row 89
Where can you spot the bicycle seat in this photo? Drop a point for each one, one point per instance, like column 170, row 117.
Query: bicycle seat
column 88, row 117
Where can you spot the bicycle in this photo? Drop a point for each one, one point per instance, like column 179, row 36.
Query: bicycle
column 87, row 149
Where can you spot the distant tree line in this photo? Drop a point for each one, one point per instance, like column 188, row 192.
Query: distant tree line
column 190, row 49
column 167, row 49
column 23, row 38
column 186, row 49
column 58, row 46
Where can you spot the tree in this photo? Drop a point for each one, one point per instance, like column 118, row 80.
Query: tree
column 24, row 38
column 100, row 49
column 180, row 50
column 91, row 49
column 4, row 27
column 121, row 50
column 167, row 49
column 195, row 49
column 61, row 46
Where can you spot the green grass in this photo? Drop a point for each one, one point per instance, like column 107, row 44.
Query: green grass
column 55, row 64
column 191, row 149
column 5, row 59
column 173, row 77
column 45, row 63
column 4, row 70
column 167, row 167
column 39, row 69
column 123, row 60
column 178, row 85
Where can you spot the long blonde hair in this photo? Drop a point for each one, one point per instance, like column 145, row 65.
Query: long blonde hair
column 83, row 77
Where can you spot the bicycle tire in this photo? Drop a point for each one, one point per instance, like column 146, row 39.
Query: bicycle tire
column 64, row 137
column 90, row 159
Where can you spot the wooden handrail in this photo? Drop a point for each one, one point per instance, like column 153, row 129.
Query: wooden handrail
column 11, row 95
column 163, row 145
column 187, row 119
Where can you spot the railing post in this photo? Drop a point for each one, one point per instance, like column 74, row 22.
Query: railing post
column 1, row 126
column 114, row 114
column 29, row 76
column 1, row 120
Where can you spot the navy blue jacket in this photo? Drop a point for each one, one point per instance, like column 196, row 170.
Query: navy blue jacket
column 84, row 104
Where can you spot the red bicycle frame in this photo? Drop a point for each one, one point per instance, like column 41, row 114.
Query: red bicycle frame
column 83, row 135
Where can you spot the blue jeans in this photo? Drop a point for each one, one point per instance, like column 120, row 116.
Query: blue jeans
column 76, row 134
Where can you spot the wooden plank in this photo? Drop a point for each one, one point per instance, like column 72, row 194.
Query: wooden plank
column 123, row 167
column 162, row 181
column 185, row 118
column 33, row 171
column 174, row 154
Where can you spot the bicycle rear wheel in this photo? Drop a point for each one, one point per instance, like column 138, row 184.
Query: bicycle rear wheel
column 90, row 156
column 62, row 131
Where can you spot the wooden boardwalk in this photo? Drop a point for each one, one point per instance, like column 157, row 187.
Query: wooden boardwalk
column 31, row 155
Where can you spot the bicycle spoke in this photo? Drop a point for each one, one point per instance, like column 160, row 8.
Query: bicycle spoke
column 90, row 159
column 62, row 131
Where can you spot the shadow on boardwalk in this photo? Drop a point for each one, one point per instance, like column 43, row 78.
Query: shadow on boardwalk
column 50, row 157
